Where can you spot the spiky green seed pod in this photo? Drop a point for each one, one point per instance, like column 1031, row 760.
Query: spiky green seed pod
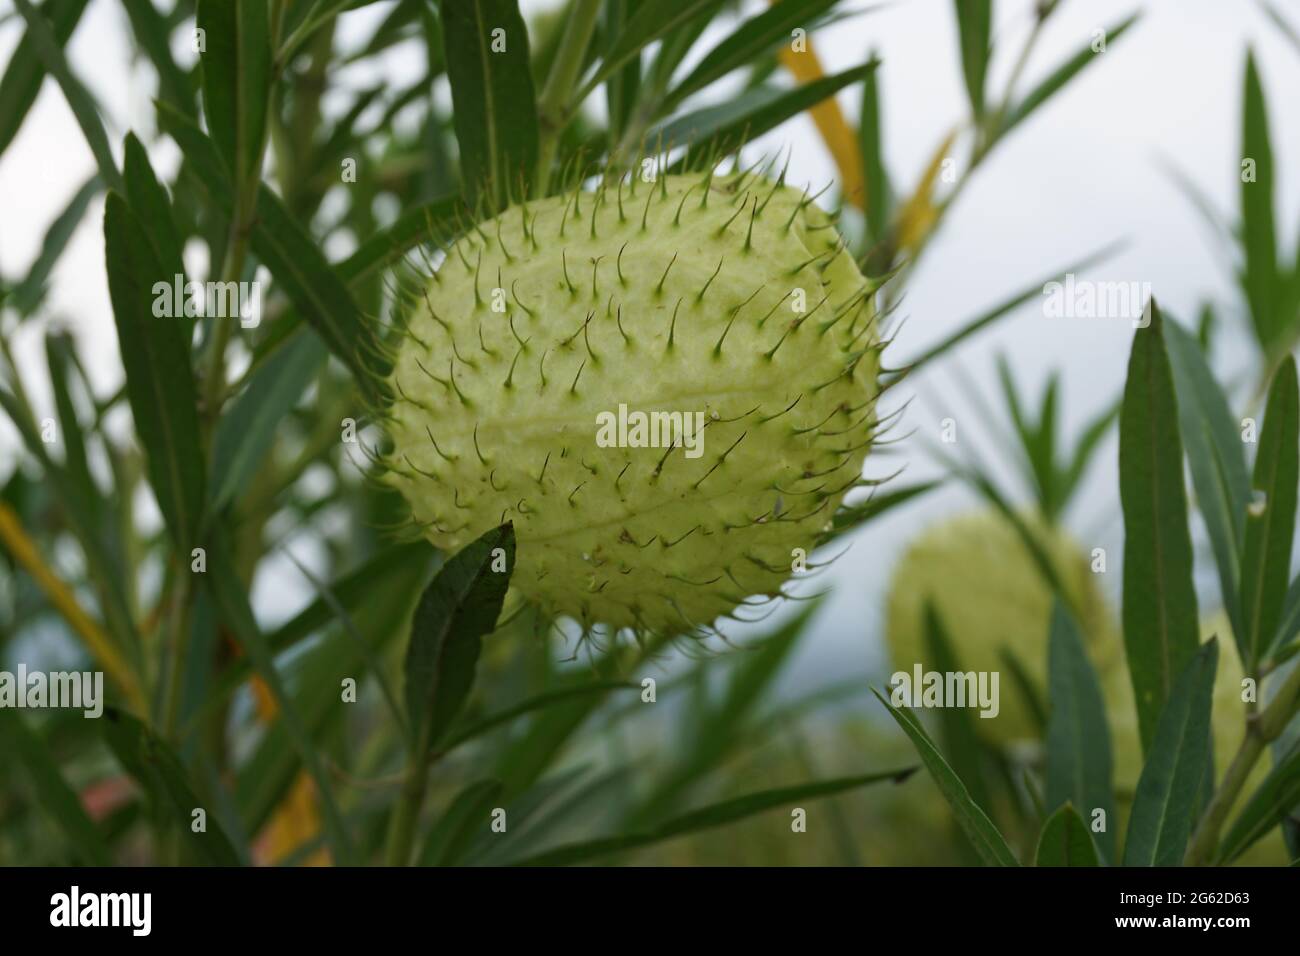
column 730, row 298
column 990, row 594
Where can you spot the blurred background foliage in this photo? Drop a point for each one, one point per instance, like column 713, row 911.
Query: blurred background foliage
column 218, row 707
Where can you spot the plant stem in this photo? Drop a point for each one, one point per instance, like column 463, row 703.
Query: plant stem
column 552, row 106
column 1261, row 729
column 401, row 828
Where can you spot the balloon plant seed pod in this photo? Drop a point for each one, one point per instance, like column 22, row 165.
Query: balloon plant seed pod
column 667, row 386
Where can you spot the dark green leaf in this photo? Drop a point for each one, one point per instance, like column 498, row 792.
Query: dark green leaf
column 1065, row 841
column 653, row 19
column 470, row 813
column 979, row 829
column 457, row 609
column 152, row 206
column 236, row 81
column 247, row 431
column 728, row 126
column 1160, row 623
column 961, row 744
column 1216, row 461
column 1260, row 275
column 1270, row 520
column 974, row 28
column 53, row 794
column 27, row 295
column 1078, row 742
column 151, row 30
column 159, row 771
column 707, row 818
column 878, row 202
column 432, row 221
column 486, row 47
column 539, row 702
column 159, row 380
column 1164, row 808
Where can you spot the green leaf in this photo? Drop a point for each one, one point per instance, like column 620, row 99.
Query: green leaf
column 964, row 751
column 1062, row 75
column 538, row 702
column 1164, row 808
column 1216, row 461
column 159, row 771
column 1160, row 623
column 232, row 605
column 1270, row 520
column 460, row 605
column 729, row 125
column 987, row 318
column 54, row 796
column 61, row 360
column 493, row 99
column 22, row 77
column 159, row 380
column 1078, row 742
column 247, row 431
column 852, row 517
column 979, row 829
column 50, row 51
column 28, row 294
column 974, row 28
column 708, row 818
column 653, row 19
column 878, row 202
column 433, row 220
column 1289, row 624
column 1260, row 276
column 755, row 37
column 623, row 88
column 470, row 813
column 152, row 206
column 1268, row 806
column 236, row 81
column 1065, row 841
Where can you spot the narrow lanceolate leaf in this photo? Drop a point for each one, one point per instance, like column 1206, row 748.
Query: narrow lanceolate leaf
column 1259, row 236
column 1160, row 625
column 486, row 46
column 22, row 77
column 754, row 38
column 1216, row 461
column 1065, row 841
column 1268, row 806
column 974, row 822
column 729, row 125
column 247, row 431
column 1270, row 518
column 974, row 28
column 152, row 206
column 878, row 201
column 1062, row 75
column 469, row 815
column 159, row 380
column 54, row 796
column 1078, row 742
column 431, row 221
column 157, row 769
column 236, row 67
column 50, row 51
column 61, row 359
column 965, row 752
column 1164, row 808
column 29, row 293
column 706, row 818
column 651, row 20
column 460, row 605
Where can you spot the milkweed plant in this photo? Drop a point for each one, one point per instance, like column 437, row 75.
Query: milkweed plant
column 547, row 381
